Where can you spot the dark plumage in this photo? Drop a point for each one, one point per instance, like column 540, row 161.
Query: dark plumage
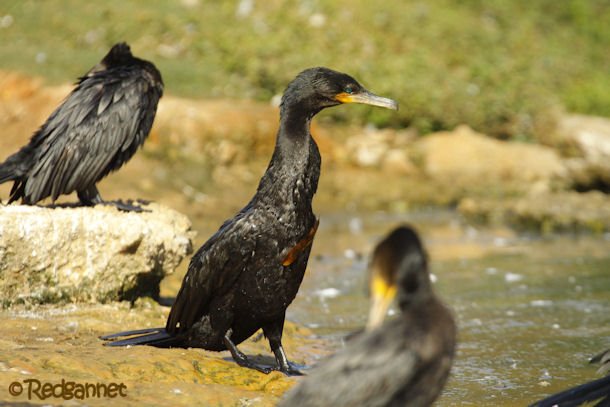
column 594, row 393
column 245, row 276
column 95, row 130
column 405, row 361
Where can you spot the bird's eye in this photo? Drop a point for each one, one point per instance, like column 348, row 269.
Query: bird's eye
column 348, row 89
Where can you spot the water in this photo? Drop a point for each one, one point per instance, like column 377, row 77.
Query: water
column 531, row 311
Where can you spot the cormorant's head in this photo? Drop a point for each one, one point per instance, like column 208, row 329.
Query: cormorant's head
column 317, row 88
column 398, row 267
column 119, row 54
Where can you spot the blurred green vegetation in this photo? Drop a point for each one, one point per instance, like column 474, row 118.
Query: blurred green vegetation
column 503, row 67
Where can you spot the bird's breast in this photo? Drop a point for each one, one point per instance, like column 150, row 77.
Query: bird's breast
column 282, row 235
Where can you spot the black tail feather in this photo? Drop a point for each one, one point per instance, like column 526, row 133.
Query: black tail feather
column 16, row 165
column 149, row 336
column 7, row 172
column 131, row 333
column 597, row 391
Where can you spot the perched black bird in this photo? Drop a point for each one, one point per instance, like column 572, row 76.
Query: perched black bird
column 596, row 391
column 404, row 361
column 245, row 276
column 95, row 130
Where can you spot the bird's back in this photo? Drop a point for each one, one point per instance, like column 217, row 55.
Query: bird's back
column 404, row 362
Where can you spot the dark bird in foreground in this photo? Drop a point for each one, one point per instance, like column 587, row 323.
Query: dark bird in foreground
column 596, row 391
column 95, row 130
column 403, row 362
column 245, row 276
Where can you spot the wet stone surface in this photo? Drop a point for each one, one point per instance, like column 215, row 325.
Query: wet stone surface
column 51, row 344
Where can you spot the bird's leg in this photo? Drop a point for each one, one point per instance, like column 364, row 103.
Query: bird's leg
column 273, row 332
column 239, row 357
column 91, row 197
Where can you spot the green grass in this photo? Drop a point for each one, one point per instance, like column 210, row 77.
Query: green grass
column 502, row 67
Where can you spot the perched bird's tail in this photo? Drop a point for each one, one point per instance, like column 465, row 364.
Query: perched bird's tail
column 597, row 391
column 150, row 336
column 9, row 170
column 16, row 168
column 17, row 165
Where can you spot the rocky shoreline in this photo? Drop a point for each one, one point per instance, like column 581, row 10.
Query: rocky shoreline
column 228, row 143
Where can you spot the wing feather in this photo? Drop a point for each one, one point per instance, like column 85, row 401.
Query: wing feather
column 213, row 271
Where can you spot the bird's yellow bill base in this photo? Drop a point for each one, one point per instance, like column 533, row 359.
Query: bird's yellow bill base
column 367, row 98
column 382, row 295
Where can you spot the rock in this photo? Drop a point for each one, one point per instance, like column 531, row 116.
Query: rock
column 466, row 157
column 591, row 137
column 565, row 211
column 397, row 161
column 385, row 149
column 87, row 254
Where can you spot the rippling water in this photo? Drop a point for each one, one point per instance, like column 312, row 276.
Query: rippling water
column 531, row 310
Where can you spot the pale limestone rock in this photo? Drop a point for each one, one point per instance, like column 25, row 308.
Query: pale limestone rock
column 591, row 136
column 73, row 254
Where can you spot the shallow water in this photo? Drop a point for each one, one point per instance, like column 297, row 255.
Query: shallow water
column 530, row 310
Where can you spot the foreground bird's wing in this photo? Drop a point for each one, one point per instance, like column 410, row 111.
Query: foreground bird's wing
column 94, row 131
column 213, row 271
column 369, row 371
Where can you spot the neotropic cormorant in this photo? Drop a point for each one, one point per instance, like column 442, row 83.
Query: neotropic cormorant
column 596, row 391
column 245, row 276
column 95, row 130
column 405, row 361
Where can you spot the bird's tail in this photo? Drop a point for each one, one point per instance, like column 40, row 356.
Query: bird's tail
column 597, row 391
column 158, row 337
column 8, row 171
column 16, row 165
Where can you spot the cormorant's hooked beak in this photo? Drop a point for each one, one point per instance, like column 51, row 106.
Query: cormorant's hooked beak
column 382, row 295
column 367, row 98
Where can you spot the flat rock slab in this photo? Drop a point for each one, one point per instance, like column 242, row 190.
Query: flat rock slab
column 49, row 343
column 87, row 254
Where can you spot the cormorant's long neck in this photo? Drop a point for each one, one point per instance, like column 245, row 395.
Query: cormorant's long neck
column 296, row 159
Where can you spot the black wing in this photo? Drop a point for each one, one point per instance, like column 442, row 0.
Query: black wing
column 94, row 131
column 213, row 271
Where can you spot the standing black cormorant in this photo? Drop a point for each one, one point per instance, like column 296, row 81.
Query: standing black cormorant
column 245, row 276
column 95, row 130
column 595, row 393
column 403, row 362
